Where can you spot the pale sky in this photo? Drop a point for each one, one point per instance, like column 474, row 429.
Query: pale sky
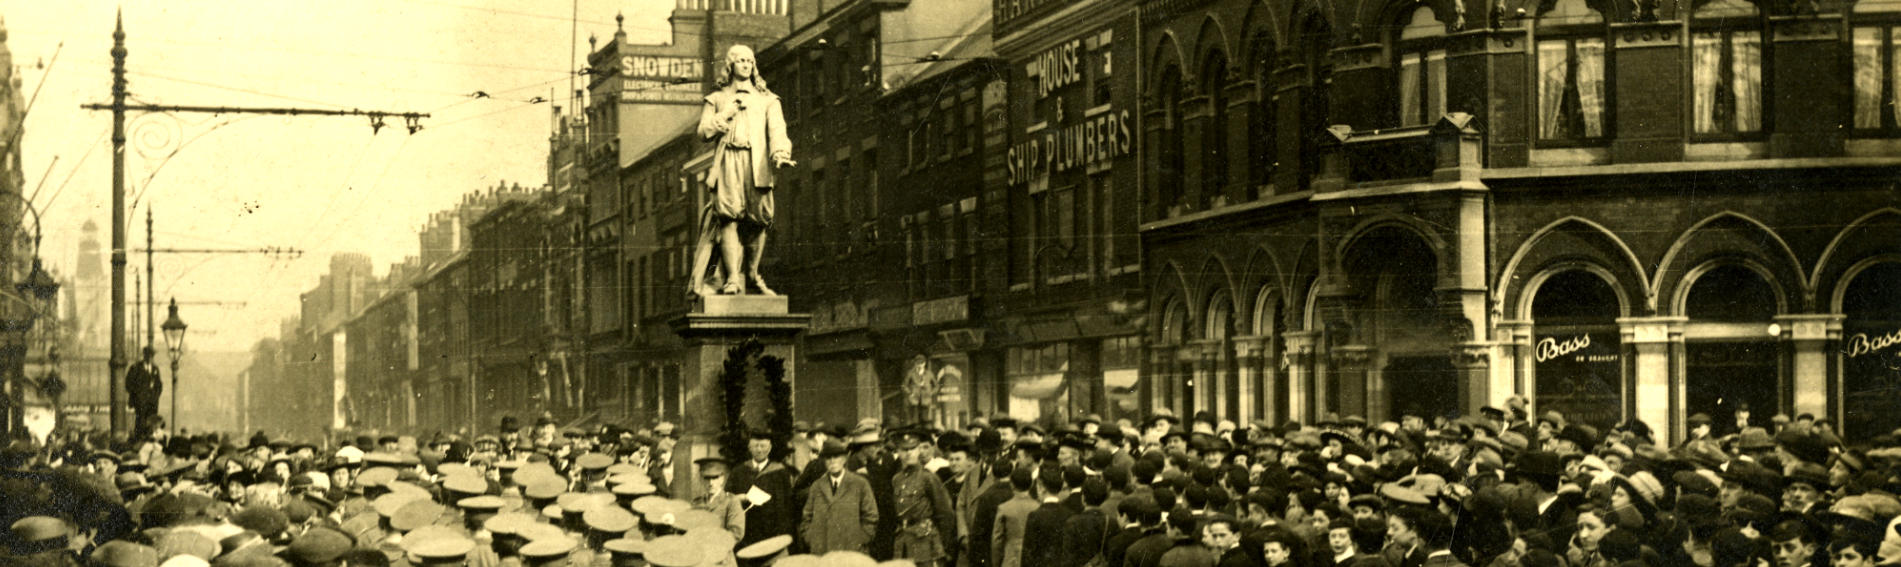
column 321, row 184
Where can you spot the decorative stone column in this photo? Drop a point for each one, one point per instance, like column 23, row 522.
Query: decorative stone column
column 1473, row 359
column 1298, row 369
column 1349, row 368
column 1212, row 377
column 1812, row 338
column 1249, row 351
column 1513, row 371
column 1657, row 395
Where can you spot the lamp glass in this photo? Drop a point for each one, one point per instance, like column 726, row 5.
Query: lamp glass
column 174, row 332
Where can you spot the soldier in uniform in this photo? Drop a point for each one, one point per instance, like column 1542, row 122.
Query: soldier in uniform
column 925, row 520
column 717, row 499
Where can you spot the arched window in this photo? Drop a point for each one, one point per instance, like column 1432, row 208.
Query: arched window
column 1223, row 383
column 1421, row 69
column 1261, row 128
column 1726, row 68
column 1572, row 98
column 1871, row 306
column 1214, row 135
column 1316, row 45
column 1169, row 97
column 1732, row 361
column 1576, row 363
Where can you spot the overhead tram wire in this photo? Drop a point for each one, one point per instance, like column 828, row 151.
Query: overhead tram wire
column 74, row 172
column 349, row 54
column 235, row 89
column 535, row 15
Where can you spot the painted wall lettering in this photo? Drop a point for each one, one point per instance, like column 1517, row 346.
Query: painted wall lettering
column 1101, row 138
column 1056, row 68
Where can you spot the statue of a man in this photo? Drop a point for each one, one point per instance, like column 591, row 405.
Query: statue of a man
column 746, row 125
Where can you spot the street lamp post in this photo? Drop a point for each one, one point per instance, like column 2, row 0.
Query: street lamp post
column 175, row 347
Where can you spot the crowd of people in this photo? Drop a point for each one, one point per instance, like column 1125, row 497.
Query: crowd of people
column 1504, row 487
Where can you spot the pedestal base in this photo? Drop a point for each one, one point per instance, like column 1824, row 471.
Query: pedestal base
column 711, row 330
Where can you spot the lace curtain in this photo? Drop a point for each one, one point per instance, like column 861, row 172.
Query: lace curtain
column 1867, row 55
column 1409, row 91
column 1571, row 90
column 1728, row 90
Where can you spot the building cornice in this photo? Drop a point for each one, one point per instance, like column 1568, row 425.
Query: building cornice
column 1673, row 167
column 1031, row 36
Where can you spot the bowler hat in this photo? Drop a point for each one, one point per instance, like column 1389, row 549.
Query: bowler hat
column 1543, row 463
column 832, row 448
column 1807, row 473
column 1583, row 435
column 1755, row 439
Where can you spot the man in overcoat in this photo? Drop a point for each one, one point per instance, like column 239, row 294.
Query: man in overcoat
column 840, row 513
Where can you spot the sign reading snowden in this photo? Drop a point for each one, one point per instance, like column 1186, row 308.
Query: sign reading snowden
column 661, row 67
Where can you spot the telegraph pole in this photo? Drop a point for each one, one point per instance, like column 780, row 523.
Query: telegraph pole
column 149, row 277
column 118, row 362
column 118, row 106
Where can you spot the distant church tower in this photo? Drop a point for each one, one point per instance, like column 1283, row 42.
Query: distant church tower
column 93, row 290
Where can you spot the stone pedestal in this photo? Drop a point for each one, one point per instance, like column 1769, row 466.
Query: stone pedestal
column 710, row 329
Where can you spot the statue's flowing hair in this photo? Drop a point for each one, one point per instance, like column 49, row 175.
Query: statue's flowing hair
column 724, row 76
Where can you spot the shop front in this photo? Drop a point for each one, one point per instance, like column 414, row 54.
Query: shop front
column 932, row 365
column 839, row 381
column 1871, row 352
column 1576, row 349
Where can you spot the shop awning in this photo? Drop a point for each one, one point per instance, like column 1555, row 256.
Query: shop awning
column 1122, row 380
column 1037, row 386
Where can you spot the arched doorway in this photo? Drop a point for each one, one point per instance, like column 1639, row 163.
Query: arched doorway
column 1402, row 324
column 1173, row 384
column 1224, row 378
column 1871, row 352
column 1577, row 359
column 1733, row 359
column 1270, row 384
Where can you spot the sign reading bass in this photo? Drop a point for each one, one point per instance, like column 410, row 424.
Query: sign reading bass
column 1861, row 343
column 1097, row 139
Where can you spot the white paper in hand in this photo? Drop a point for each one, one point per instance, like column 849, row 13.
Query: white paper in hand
column 758, row 497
